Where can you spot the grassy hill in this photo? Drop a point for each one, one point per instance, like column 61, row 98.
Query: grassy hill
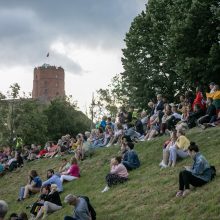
column 149, row 193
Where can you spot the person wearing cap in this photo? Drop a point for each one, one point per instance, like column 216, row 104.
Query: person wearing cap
column 3, row 209
column 52, row 203
column 81, row 211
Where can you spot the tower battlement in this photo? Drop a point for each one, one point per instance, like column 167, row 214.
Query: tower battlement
column 48, row 82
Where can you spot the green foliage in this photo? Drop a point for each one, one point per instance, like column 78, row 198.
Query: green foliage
column 4, row 112
column 149, row 193
column 36, row 122
column 171, row 47
column 30, row 123
column 64, row 119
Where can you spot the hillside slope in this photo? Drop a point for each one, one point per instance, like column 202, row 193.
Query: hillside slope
column 149, row 193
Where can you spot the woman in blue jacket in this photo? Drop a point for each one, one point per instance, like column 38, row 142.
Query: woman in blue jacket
column 197, row 175
column 130, row 159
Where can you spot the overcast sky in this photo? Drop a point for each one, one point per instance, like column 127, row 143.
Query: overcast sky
column 85, row 37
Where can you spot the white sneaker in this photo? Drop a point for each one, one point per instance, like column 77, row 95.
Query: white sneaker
column 108, row 145
column 105, row 189
column 162, row 164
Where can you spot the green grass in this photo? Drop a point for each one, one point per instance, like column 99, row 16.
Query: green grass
column 149, row 193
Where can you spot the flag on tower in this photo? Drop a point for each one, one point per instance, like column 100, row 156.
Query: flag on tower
column 48, row 54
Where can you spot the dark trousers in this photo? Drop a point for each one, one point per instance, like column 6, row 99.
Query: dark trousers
column 186, row 178
column 113, row 179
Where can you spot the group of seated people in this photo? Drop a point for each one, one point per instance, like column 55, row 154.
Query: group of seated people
column 49, row 199
column 127, row 160
column 161, row 118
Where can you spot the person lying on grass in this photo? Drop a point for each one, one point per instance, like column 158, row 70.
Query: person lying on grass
column 197, row 175
column 118, row 173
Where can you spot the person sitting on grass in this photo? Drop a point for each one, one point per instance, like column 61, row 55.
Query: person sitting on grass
column 213, row 123
column 53, row 179
column 117, row 135
column 166, row 149
column 179, row 149
column 210, row 113
column 72, row 173
column 79, row 152
column 118, row 173
column 197, row 175
column 33, row 186
column 65, row 165
column 52, row 203
column 81, row 211
column 130, row 159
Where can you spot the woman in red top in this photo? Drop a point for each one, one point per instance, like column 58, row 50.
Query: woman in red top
column 72, row 173
column 199, row 99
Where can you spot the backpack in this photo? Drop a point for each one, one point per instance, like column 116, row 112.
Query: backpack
column 91, row 209
column 213, row 172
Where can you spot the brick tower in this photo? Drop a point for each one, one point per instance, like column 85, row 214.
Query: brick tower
column 48, row 82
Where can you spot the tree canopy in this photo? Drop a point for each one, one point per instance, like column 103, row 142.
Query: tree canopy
column 171, row 47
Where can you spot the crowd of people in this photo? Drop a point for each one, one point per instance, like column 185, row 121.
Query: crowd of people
column 130, row 127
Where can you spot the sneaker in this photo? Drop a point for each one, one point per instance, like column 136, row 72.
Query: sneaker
column 179, row 193
column 108, row 145
column 162, row 164
column 105, row 189
column 186, row 192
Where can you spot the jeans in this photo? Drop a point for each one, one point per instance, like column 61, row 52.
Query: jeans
column 21, row 193
column 174, row 152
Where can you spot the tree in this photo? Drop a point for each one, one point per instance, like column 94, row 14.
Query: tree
column 13, row 95
column 63, row 118
column 31, row 124
column 4, row 120
column 170, row 47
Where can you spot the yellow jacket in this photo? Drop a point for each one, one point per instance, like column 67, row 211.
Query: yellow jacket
column 182, row 142
column 214, row 95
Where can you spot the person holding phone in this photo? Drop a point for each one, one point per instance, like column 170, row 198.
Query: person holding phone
column 197, row 175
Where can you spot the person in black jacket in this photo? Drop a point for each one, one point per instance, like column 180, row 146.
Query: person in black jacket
column 51, row 203
column 210, row 113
